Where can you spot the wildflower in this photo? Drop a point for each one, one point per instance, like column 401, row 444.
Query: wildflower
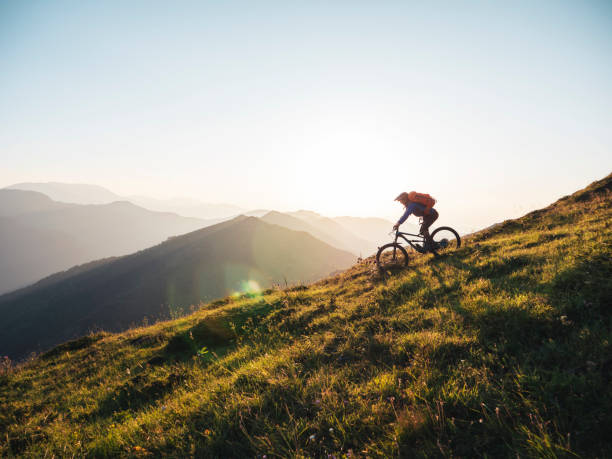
column 565, row 321
column 317, row 401
column 480, row 420
column 127, row 370
column 207, row 432
column 331, row 430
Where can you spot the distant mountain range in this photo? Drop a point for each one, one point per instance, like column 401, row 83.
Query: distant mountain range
column 77, row 193
column 233, row 256
column 322, row 228
column 359, row 235
column 39, row 236
column 188, row 207
column 372, row 229
column 366, row 232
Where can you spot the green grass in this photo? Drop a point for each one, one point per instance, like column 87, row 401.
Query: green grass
column 501, row 349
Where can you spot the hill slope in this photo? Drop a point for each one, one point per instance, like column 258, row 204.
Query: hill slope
column 160, row 281
column 501, row 349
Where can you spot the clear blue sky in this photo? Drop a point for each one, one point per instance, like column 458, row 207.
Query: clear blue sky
column 495, row 108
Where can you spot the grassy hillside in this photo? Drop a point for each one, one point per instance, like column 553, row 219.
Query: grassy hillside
column 502, row 349
column 161, row 282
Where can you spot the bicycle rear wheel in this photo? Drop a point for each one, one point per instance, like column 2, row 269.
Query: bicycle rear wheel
column 445, row 240
column 391, row 257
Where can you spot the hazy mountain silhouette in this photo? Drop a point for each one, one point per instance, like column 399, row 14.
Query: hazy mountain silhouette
column 297, row 224
column 232, row 256
column 361, row 236
column 94, row 194
column 17, row 202
column 348, row 240
column 28, row 254
column 372, row 229
column 77, row 193
column 256, row 212
column 188, row 207
column 48, row 236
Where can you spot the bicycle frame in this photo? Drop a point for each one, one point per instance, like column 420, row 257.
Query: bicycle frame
column 420, row 239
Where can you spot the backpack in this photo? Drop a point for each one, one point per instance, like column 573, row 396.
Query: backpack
column 422, row 198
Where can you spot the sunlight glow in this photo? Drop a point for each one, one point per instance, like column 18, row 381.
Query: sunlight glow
column 494, row 115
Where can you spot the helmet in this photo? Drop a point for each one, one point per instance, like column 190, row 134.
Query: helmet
column 402, row 197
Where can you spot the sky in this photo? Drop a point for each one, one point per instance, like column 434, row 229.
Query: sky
column 493, row 108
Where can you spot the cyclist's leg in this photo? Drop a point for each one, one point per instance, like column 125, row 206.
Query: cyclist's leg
column 427, row 222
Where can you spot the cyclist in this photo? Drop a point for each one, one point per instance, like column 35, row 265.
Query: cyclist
column 420, row 205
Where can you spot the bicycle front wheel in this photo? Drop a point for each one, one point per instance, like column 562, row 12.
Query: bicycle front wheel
column 445, row 240
column 391, row 257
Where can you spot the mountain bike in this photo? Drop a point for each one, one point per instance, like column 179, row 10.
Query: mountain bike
column 393, row 255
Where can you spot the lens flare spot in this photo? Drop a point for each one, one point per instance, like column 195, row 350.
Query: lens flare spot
column 249, row 287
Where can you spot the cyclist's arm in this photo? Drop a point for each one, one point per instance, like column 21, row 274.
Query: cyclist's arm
column 409, row 210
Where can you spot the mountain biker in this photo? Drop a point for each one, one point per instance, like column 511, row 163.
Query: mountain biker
column 414, row 207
